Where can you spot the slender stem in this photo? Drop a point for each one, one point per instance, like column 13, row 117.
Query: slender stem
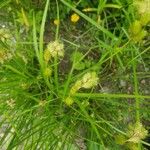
column 56, row 72
column 56, row 58
column 99, row 95
column 58, row 18
column 137, row 100
column 137, row 104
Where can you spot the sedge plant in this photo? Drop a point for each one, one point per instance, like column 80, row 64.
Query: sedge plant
column 84, row 85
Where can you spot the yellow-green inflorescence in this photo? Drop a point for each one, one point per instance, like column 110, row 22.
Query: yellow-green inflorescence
column 137, row 32
column 54, row 49
column 133, row 137
column 5, row 34
column 142, row 6
column 5, row 56
column 88, row 81
column 136, row 29
column 137, row 133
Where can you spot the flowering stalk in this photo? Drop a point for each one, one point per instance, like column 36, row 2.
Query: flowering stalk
column 88, row 81
column 54, row 50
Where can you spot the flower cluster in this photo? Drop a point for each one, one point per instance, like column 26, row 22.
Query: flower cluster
column 88, row 81
column 143, row 6
column 48, row 72
column 137, row 31
column 5, row 56
column 137, row 133
column 133, row 136
column 47, row 55
column 69, row 101
column 5, row 34
column 11, row 103
column 55, row 48
column 143, row 9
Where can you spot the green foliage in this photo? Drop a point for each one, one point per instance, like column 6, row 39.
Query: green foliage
column 74, row 85
column 80, row 65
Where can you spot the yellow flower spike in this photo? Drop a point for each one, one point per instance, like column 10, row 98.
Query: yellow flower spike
column 145, row 18
column 75, row 87
column 56, row 22
column 42, row 103
column 69, row 101
column 135, row 27
column 5, row 56
column 142, row 6
column 75, row 18
column 5, row 34
column 2, row 57
column 56, row 48
column 140, row 36
column 137, row 133
column 47, row 55
column 11, row 103
column 120, row 139
column 89, row 80
column 48, row 72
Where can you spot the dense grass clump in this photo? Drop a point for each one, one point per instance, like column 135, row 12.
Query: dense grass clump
column 74, row 74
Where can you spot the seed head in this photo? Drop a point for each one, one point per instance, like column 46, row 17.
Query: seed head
column 5, row 56
column 11, row 103
column 47, row 55
column 89, row 80
column 48, row 72
column 76, row 87
column 142, row 6
column 137, row 133
column 69, row 101
column 56, row 48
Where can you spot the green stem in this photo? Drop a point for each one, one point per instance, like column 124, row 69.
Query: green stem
column 137, row 104
column 99, row 95
column 137, row 100
column 58, row 18
column 56, row 58
column 56, row 72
